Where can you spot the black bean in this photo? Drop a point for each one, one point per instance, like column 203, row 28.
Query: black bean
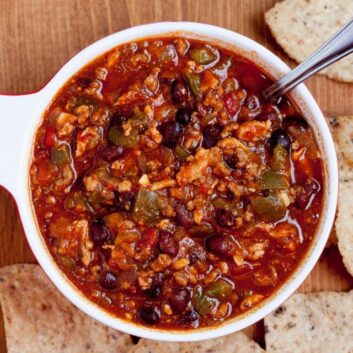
column 189, row 317
column 183, row 116
column 118, row 119
column 230, row 160
column 210, row 135
column 225, row 218
column 180, row 299
column 183, row 216
column 179, row 92
column 149, row 315
column 166, row 80
column 155, row 291
column 171, row 132
column 112, row 153
column 220, row 245
column 167, row 243
column 99, row 233
column 280, row 137
column 84, row 82
column 124, row 200
column 108, row 280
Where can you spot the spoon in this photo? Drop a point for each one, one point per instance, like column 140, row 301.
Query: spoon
column 334, row 49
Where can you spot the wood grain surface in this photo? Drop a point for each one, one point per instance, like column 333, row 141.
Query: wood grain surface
column 38, row 36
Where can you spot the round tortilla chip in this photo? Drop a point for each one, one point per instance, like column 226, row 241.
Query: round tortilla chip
column 302, row 26
column 38, row 318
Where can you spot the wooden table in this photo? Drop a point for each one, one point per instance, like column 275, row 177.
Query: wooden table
column 37, row 37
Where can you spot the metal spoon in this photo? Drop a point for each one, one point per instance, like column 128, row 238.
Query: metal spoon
column 336, row 48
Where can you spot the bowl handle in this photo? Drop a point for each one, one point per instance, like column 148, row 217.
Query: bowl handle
column 16, row 118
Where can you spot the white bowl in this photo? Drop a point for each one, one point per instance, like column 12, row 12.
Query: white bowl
column 21, row 115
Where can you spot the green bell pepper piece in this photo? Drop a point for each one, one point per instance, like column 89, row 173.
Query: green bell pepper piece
column 280, row 159
column 231, row 205
column 202, row 55
column 194, row 83
column 66, row 261
column 61, row 155
column 166, row 54
column 85, row 101
column 270, row 208
column 181, row 152
column 117, row 137
column 203, row 304
column 219, row 289
column 273, row 180
column 146, row 207
column 95, row 197
column 104, row 176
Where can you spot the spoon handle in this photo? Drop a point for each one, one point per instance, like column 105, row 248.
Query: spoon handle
column 337, row 47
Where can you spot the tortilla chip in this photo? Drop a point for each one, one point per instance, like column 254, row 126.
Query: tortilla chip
column 234, row 343
column 343, row 223
column 311, row 323
column 342, row 131
column 39, row 319
column 302, row 26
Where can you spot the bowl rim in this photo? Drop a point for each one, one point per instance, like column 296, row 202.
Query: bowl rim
column 275, row 67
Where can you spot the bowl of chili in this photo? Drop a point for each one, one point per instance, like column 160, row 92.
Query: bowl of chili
column 160, row 192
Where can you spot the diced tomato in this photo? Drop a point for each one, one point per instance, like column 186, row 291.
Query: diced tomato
column 204, row 189
column 50, row 137
column 231, row 103
column 149, row 239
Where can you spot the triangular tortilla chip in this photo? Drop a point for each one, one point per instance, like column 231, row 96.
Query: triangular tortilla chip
column 38, row 319
column 311, row 323
column 342, row 131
